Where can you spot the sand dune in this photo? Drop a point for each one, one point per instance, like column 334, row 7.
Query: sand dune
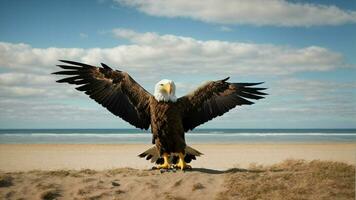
column 291, row 179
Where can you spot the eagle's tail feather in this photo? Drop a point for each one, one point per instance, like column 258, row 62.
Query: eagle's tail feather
column 190, row 154
column 153, row 155
column 190, row 150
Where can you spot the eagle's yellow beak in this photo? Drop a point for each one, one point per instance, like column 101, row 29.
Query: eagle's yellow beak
column 167, row 87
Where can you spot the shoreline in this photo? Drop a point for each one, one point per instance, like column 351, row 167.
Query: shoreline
column 27, row 157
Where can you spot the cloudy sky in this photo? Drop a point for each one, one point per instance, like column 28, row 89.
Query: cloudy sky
column 305, row 51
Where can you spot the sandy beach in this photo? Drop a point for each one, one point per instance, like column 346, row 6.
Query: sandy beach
column 25, row 157
column 225, row 171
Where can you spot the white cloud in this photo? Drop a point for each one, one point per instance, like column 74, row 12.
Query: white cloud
column 291, row 96
column 17, row 84
column 17, row 91
column 40, row 110
column 24, row 79
column 24, row 57
column 27, row 75
column 256, row 12
column 228, row 57
column 151, row 52
column 314, row 87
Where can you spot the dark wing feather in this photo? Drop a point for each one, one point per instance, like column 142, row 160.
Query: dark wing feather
column 113, row 89
column 216, row 98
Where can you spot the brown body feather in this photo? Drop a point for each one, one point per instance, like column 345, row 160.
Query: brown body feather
column 167, row 126
column 121, row 95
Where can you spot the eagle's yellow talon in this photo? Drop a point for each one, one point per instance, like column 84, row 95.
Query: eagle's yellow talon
column 182, row 164
column 166, row 164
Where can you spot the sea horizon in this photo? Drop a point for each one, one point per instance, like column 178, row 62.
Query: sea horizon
column 204, row 135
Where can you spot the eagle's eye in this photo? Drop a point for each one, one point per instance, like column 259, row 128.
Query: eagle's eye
column 161, row 84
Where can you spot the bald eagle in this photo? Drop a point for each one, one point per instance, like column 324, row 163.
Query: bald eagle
column 168, row 116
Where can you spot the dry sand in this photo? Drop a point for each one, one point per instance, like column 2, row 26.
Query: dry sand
column 224, row 172
column 23, row 157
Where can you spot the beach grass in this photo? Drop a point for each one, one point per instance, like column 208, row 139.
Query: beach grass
column 292, row 179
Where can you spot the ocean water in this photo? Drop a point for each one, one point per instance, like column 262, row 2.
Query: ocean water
column 135, row 136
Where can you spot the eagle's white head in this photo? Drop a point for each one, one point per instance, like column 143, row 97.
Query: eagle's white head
column 165, row 91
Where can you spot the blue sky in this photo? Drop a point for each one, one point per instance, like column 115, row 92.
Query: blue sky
column 303, row 50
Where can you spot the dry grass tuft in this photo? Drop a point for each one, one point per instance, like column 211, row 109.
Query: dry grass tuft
column 60, row 173
column 6, row 181
column 51, row 194
column 293, row 179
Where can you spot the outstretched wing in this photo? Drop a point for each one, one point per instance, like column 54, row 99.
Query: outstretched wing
column 216, row 98
column 113, row 89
